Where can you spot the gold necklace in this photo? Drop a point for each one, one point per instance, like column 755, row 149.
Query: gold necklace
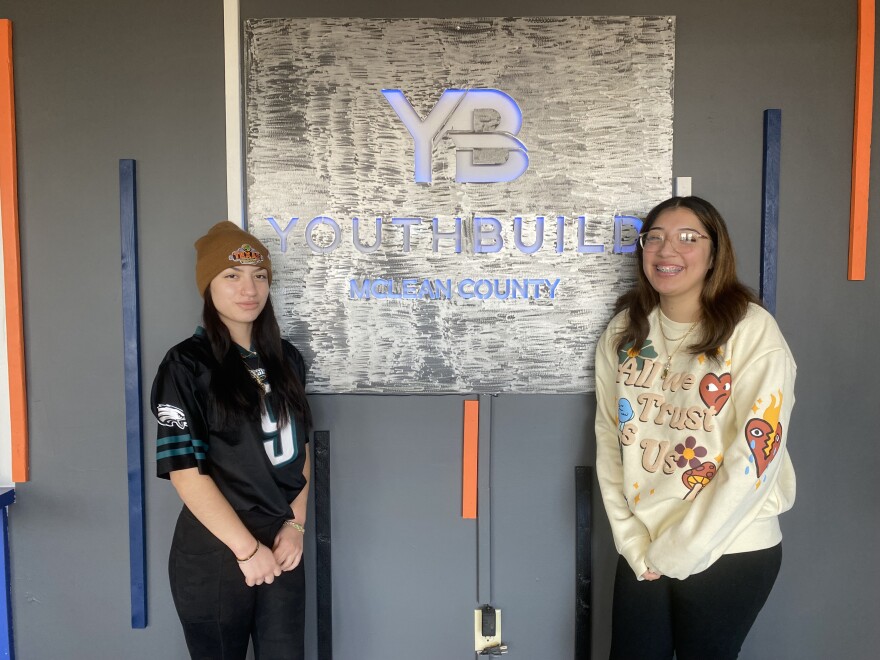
column 672, row 355
column 670, row 338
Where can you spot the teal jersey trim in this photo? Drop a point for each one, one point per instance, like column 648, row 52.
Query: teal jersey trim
column 160, row 442
column 168, row 453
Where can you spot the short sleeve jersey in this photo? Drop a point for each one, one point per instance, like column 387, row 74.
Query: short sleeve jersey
column 256, row 465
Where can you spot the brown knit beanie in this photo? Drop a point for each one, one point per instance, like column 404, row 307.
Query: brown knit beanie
column 225, row 246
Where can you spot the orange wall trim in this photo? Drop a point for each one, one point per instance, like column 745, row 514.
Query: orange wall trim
column 861, row 165
column 470, row 459
column 12, row 261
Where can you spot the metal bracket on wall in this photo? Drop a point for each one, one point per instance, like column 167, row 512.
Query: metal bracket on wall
column 681, row 186
column 484, row 503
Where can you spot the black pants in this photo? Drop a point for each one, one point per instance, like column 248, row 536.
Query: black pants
column 219, row 612
column 707, row 615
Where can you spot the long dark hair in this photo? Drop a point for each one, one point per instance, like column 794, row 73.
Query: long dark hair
column 234, row 394
column 723, row 300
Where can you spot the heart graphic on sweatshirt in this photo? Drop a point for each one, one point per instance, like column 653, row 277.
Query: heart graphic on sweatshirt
column 715, row 390
column 764, row 442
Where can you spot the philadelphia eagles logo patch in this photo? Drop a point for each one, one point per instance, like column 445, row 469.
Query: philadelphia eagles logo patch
column 169, row 415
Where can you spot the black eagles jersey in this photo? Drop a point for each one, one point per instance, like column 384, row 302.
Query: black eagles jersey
column 257, row 466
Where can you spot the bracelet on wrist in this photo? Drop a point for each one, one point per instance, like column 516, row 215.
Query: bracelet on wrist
column 250, row 556
column 292, row 523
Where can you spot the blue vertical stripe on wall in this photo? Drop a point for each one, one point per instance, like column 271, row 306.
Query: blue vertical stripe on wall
column 7, row 647
column 133, row 413
column 770, row 206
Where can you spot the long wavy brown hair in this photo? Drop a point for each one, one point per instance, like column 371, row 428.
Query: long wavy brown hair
column 234, row 394
column 723, row 301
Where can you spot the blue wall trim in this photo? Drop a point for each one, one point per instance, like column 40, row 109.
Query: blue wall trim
column 134, row 440
column 770, row 206
column 7, row 646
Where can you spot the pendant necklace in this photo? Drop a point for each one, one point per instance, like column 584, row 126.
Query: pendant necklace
column 258, row 374
column 259, row 379
column 665, row 346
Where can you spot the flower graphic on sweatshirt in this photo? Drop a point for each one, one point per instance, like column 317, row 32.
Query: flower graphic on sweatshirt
column 628, row 352
column 689, row 453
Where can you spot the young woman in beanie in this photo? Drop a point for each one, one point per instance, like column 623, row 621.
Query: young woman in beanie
column 694, row 388
column 233, row 418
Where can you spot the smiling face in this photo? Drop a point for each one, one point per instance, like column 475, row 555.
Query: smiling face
column 677, row 276
column 239, row 295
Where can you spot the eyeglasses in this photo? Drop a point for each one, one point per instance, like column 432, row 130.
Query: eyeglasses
column 682, row 241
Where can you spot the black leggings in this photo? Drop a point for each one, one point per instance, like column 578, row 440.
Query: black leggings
column 219, row 612
column 707, row 615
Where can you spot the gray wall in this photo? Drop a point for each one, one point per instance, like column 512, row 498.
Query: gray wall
column 107, row 79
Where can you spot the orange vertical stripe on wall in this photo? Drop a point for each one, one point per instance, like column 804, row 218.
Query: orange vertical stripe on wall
column 470, row 459
column 861, row 166
column 11, row 261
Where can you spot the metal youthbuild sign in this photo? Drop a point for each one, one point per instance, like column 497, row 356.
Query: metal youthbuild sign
column 450, row 204
column 479, row 121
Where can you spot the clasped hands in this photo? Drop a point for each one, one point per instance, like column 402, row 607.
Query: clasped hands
column 266, row 564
